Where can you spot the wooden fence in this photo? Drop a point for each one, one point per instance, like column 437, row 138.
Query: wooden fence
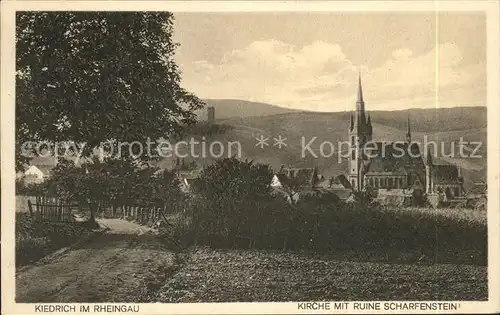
column 141, row 215
column 51, row 209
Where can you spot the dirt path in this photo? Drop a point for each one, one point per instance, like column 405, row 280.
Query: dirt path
column 120, row 265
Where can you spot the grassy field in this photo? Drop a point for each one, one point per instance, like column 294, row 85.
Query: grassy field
column 460, row 216
column 384, row 254
column 208, row 275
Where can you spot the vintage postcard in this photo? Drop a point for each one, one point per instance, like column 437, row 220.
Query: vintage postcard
column 256, row 157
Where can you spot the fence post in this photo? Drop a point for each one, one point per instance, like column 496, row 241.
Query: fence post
column 30, row 208
column 39, row 209
column 61, row 213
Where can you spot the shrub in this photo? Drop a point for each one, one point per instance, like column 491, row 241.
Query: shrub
column 234, row 207
column 441, row 235
column 35, row 239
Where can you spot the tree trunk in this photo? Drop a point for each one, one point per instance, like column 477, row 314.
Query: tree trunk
column 92, row 223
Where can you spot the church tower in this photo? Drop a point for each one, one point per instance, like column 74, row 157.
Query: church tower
column 360, row 132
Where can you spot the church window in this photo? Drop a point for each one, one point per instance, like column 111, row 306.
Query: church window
column 353, row 183
column 390, row 183
column 352, row 141
column 457, row 192
column 353, row 154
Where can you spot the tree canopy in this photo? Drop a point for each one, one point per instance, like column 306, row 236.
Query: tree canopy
column 91, row 77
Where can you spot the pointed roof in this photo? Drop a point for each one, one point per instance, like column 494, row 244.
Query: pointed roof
column 360, row 89
column 298, row 176
column 360, row 124
column 44, row 168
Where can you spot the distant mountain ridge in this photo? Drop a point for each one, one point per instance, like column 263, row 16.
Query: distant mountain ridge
column 227, row 108
column 244, row 121
column 443, row 125
column 424, row 120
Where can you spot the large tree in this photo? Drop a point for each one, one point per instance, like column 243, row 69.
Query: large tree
column 92, row 77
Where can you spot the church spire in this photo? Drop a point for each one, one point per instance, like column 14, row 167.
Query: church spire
column 360, row 89
column 408, row 133
column 360, row 106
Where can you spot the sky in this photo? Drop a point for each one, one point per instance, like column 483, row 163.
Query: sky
column 311, row 61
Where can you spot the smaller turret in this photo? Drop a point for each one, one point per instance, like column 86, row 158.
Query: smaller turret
column 429, row 187
column 429, row 157
column 408, row 133
column 369, row 124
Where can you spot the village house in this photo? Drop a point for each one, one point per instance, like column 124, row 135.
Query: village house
column 187, row 174
column 293, row 183
column 477, row 196
column 35, row 174
column 339, row 185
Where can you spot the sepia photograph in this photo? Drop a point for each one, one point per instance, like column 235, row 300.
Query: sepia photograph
column 334, row 159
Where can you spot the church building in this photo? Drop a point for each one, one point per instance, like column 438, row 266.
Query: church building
column 398, row 165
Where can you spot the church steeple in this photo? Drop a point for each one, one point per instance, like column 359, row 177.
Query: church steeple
column 408, row 133
column 360, row 107
column 360, row 132
column 360, row 90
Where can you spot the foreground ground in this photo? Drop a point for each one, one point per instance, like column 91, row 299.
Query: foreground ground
column 129, row 264
column 223, row 276
column 119, row 266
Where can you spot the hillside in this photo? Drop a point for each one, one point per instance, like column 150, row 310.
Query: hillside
column 225, row 108
column 242, row 122
column 302, row 127
column 424, row 120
